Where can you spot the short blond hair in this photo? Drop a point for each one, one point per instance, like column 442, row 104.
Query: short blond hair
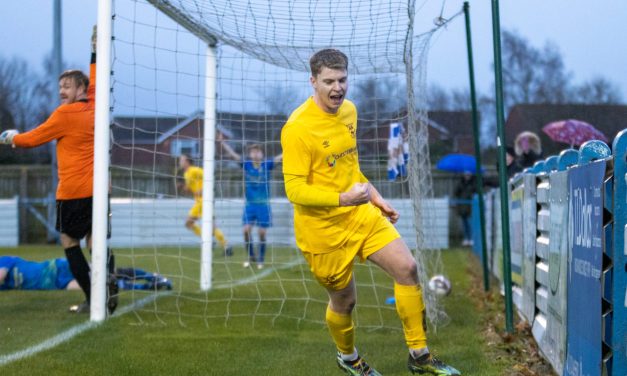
column 77, row 76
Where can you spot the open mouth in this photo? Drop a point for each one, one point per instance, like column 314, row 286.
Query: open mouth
column 337, row 97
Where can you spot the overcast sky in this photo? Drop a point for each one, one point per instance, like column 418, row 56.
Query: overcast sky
column 591, row 37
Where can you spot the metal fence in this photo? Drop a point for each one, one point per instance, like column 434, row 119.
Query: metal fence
column 568, row 226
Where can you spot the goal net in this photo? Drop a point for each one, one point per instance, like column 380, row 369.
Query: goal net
column 208, row 79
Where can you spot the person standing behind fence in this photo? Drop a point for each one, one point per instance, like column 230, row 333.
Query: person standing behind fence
column 464, row 191
column 528, row 149
column 257, row 175
column 72, row 126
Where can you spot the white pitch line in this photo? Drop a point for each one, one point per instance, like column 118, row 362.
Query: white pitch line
column 72, row 332
column 76, row 330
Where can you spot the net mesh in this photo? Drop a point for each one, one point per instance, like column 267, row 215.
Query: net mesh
column 263, row 48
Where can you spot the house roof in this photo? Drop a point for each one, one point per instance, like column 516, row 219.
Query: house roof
column 139, row 130
column 155, row 130
column 458, row 123
column 609, row 119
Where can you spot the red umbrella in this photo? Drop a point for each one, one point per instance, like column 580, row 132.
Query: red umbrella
column 572, row 132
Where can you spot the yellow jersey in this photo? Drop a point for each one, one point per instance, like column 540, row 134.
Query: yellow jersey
column 193, row 181
column 323, row 148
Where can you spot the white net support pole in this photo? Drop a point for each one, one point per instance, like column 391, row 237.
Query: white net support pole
column 101, row 165
column 209, row 131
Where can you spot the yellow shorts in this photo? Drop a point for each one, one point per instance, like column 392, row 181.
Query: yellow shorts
column 334, row 270
column 196, row 210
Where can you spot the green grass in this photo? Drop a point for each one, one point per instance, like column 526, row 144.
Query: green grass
column 196, row 333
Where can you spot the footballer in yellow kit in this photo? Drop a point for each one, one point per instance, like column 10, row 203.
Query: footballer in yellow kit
column 339, row 215
column 193, row 184
column 323, row 147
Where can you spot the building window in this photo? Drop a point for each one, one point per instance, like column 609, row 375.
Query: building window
column 179, row 147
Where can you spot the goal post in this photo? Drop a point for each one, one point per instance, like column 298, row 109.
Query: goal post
column 208, row 167
column 185, row 69
column 98, row 307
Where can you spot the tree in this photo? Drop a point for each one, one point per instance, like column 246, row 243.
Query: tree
column 439, row 99
column 598, row 90
column 26, row 99
column 280, row 99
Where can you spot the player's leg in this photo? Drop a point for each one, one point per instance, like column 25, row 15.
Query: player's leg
column 248, row 241
column 79, row 268
column 261, row 231
column 248, row 220
column 334, row 271
column 396, row 259
column 264, row 221
column 218, row 235
column 194, row 214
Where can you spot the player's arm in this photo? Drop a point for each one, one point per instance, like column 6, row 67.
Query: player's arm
column 302, row 193
column 3, row 274
column 377, row 200
column 51, row 129
column 278, row 158
column 91, row 90
column 228, row 149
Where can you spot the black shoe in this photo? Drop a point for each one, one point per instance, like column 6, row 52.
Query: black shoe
column 228, row 251
column 80, row 308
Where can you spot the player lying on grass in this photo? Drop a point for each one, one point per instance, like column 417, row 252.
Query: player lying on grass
column 72, row 126
column 17, row 273
column 339, row 215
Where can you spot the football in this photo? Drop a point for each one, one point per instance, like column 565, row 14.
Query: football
column 440, row 285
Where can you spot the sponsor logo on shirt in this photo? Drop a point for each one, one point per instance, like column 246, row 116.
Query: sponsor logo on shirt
column 331, row 159
column 351, row 129
column 326, row 144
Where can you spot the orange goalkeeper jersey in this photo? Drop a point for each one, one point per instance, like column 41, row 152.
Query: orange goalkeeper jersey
column 72, row 125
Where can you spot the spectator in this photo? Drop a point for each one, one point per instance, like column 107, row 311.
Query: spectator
column 512, row 164
column 528, row 149
column 464, row 191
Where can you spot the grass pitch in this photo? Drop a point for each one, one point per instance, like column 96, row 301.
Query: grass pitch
column 267, row 322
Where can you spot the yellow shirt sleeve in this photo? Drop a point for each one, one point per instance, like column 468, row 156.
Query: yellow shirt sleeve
column 362, row 178
column 301, row 193
column 296, row 152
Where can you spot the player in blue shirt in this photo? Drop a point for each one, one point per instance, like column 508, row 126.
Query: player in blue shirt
column 257, row 175
column 17, row 273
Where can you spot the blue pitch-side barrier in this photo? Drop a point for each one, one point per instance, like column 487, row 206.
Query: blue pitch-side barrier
column 568, row 235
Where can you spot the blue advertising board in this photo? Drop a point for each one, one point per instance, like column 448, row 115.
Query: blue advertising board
column 619, row 293
column 584, row 357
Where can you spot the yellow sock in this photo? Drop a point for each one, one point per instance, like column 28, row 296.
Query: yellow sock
column 196, row 229
column 219, row 236
column 342, row 331
column 410, row 308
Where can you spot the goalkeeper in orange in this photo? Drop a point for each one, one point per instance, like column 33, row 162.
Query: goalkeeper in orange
column 193, row 184
column 72, row 126
column 339, row 215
